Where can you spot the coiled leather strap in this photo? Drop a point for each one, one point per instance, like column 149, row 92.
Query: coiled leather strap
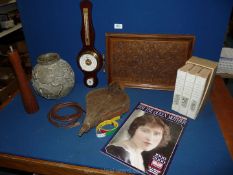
column 66, row 121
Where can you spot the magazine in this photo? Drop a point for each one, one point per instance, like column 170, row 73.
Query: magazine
column 147, row 140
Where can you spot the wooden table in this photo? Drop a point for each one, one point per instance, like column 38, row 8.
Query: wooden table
column 222, row 104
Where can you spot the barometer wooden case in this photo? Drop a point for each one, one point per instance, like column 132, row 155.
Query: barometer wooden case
column 89, row 59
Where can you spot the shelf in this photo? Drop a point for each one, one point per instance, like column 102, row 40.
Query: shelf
column 7, row 2
column 10, row 30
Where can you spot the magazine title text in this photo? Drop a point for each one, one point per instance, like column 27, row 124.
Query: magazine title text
column 168, row 116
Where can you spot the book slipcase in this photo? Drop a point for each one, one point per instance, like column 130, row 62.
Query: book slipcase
column 201, row 87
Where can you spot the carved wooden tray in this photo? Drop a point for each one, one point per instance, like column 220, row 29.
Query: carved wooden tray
column 146, row 61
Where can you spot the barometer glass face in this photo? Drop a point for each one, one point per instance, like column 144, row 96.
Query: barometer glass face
column 90, row 81
column 88, row 62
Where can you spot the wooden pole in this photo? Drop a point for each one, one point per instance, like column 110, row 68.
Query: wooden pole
column 29, row 100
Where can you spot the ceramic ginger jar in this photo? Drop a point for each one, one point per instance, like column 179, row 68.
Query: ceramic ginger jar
column 52, row 77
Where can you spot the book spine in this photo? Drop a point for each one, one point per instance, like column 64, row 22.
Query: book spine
column 197, row 94
column 187, row 91
column 180, row 79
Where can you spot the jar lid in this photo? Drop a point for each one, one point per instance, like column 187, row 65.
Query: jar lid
column 48, row 58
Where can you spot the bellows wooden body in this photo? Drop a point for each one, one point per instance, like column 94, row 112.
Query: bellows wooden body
column 103, row 104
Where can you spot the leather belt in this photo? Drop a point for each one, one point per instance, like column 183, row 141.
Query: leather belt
column 66, row 121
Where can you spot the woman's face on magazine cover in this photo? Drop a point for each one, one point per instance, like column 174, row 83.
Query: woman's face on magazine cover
column 147, row 137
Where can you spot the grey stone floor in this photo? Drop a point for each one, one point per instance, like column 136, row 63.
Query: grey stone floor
column 4, row 171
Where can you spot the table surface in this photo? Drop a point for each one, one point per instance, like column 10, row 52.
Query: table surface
column 201, row 150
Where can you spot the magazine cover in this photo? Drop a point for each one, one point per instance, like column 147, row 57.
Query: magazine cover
column 147, row 140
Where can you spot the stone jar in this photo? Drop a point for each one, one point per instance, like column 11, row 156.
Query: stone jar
column 52, row 77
